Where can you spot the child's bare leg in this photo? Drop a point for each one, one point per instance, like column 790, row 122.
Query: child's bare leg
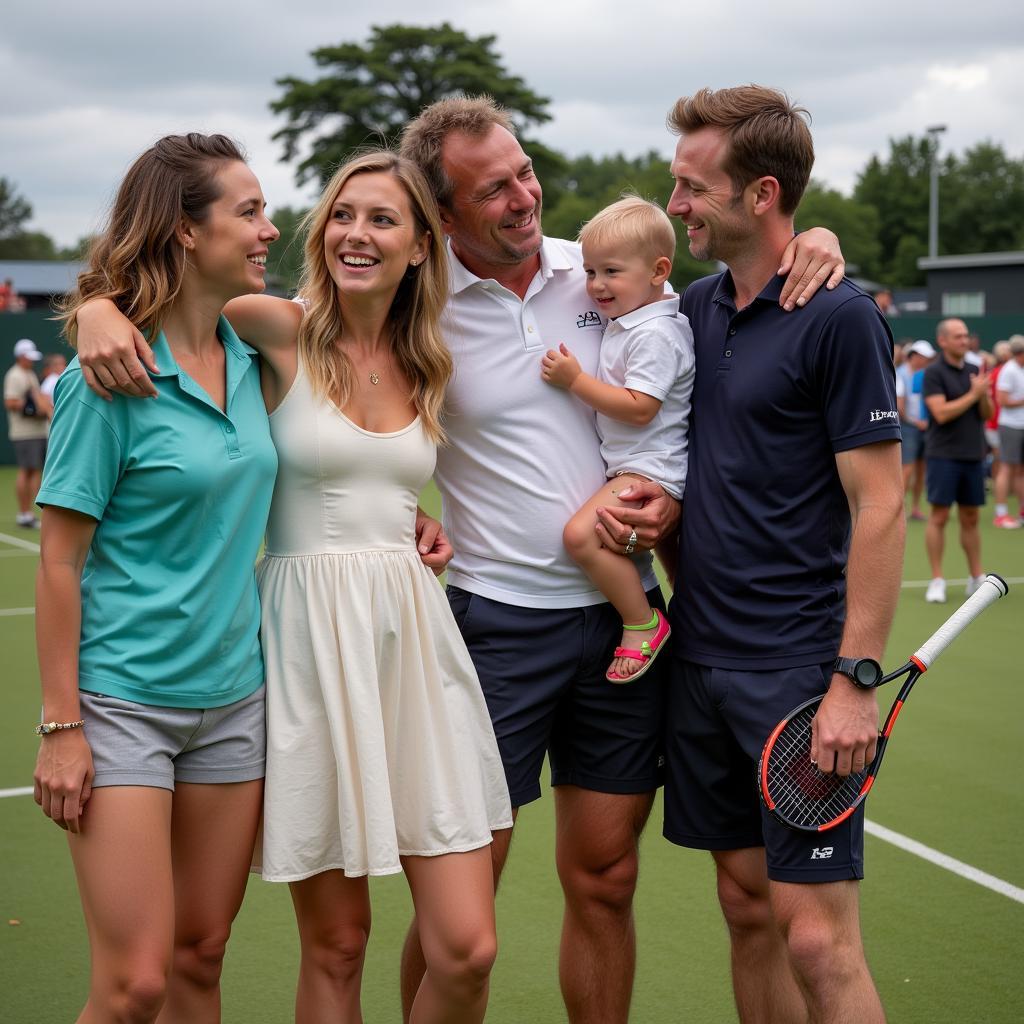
column 613, row 574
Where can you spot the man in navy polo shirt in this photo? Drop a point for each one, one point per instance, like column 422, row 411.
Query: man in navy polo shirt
column 793, row 435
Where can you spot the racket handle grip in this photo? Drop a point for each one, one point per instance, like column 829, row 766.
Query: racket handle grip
column 993, row 588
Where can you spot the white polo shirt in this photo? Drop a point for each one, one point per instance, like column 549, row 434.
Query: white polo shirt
column 523, row 455
column 650, row 350
column 1011, row 380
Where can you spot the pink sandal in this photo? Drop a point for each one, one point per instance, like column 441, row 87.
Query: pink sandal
column 649, row 649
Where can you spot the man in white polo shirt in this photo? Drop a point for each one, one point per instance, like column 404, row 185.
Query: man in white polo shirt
column 1011, row 434
column 27, row 427
column 522, row 458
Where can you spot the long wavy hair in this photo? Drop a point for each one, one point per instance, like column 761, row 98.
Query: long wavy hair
column 137, row 261
column 414, row 321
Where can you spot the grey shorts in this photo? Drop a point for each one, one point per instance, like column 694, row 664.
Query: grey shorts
column 30, row 453
column 143, row 745
column 1011, row 445
column 913, row 443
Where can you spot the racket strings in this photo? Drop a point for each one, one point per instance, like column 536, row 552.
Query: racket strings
column 799, row 792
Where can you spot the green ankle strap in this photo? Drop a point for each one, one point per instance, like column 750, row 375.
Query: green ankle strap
column 653, row 624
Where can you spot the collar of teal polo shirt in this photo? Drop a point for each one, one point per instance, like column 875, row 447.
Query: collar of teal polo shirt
column 237, row 360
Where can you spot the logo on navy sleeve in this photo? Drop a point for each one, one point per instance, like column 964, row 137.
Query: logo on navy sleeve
column 884, row 414
column 588, row 319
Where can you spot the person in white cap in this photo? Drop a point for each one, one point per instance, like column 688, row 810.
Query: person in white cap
column 27, row 426
column 913, row 421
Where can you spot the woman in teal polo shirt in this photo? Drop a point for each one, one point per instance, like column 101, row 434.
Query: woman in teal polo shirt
column 153, row 749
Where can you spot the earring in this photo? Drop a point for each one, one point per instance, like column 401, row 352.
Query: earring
column 413, row 262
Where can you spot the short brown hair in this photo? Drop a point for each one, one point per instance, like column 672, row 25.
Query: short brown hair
column 424, row 135
column 633, row 224
column 767, row 135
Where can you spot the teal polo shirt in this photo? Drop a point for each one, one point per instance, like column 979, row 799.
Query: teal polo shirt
column 181, row 492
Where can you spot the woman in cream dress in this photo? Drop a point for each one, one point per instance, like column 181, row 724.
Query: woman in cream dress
column 381, row 755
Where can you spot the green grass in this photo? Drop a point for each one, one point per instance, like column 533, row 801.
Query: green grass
column 942, row 949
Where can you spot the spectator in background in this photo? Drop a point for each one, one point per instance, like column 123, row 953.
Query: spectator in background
column 28, row 413
column 1010, row 395
column 53, row 367
column 958, row 402
column 913, row 420
column 999, row 355
column 885, row 303
column 10, row 300
column 974, row 356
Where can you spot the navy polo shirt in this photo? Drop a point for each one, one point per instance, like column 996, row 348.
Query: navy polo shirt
column 765, row 528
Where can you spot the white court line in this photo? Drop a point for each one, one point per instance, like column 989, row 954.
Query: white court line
column 942, row 860
column 17, row 542
column 913, row 584
column 958, row 867
column 17, row 611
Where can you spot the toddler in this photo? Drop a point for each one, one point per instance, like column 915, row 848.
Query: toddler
column 642, row 398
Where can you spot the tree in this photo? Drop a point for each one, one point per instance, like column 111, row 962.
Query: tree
column 590, row 183
column 981, row 207
column 898, row 189
column 370, row 91
column 28, row 245
column 981, row 204
column 14, row 210
column 855, row 223
column 286, row 254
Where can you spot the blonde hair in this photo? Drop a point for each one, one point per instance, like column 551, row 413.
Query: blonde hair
column 138, row 261
column 423, row 137
column 768, row 136
column 633, row 224
column 414, row 321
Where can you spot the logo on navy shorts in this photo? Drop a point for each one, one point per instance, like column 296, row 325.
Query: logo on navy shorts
column 884, row 414
column 588, row 319
column 821, row 853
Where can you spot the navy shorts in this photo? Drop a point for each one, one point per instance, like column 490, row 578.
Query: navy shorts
column 955, row 481
column 542, row 674
column 717, row 722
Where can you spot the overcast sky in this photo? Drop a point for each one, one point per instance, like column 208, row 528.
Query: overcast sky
column 85, row 87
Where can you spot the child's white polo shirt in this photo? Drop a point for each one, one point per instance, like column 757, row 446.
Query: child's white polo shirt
column 650, row 350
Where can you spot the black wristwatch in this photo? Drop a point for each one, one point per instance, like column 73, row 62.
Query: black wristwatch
column 864, row 672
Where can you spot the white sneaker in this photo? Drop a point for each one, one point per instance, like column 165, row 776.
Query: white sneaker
column 973, row 582
column 936, row 592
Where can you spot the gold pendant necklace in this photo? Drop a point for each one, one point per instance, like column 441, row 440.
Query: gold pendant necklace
column 374, row 378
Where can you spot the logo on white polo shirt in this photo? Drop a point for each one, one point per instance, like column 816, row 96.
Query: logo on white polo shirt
column 588, row 319
column 884, row 414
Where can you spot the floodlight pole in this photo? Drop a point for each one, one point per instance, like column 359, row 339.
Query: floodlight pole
column 933, row 194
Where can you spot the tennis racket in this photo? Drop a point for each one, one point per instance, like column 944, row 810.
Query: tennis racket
column 809, row 800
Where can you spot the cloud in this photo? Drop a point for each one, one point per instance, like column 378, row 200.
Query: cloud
column 87, row 87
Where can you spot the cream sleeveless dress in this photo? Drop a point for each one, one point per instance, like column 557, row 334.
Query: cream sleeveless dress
column 379, row 741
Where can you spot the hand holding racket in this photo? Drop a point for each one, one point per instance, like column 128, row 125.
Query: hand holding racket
column 792, row 787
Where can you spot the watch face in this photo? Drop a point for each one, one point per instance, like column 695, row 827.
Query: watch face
column 868, row 672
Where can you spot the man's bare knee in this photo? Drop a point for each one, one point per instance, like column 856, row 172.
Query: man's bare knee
column 610, row 884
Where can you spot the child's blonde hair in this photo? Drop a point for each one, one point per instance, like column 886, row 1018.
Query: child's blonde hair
column 633, row 224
